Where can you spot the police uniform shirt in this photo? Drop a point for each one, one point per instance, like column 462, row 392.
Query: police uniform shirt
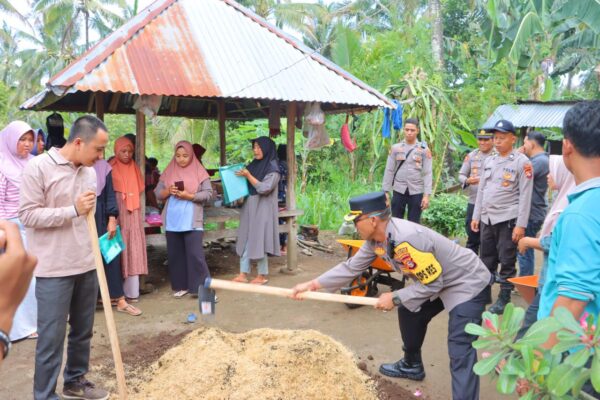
column 438, row 266
column 472, row 167
column 414, row 174
column 505, row 189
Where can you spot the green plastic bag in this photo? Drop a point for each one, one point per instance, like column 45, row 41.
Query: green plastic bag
column 111, row 248
column 234, row 187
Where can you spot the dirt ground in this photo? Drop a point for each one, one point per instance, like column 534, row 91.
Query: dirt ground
column 372, row 335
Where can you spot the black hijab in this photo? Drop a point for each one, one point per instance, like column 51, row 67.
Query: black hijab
column 268, row 164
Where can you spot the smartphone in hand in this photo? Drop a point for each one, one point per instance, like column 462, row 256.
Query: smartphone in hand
column 179, row 185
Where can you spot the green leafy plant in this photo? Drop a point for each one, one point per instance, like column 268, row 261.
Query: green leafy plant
column 446, row 214
column 557, row 373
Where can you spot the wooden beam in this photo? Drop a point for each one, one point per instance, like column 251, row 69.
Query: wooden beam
column 174, row 104
column 99, row 105
column 290, row 202
column 222, row 142
column 140, row 151
column 114, row 102
column 90, row 105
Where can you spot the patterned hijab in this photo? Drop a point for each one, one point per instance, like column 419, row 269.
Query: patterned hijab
column 11, row 165
column 127, row 178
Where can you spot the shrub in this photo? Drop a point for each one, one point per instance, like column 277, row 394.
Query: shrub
column 446, row 214
column 557, row 373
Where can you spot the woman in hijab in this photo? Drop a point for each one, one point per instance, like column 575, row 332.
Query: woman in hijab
column 39, row 141
column 561, row 181
column 185, row 186
column 258, row 234
column 106, row 216
column 128, row 185
column 16, row 143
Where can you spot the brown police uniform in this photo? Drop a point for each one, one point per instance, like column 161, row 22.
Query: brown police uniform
column 408, row 174
column 503, row 202
column 472, row 167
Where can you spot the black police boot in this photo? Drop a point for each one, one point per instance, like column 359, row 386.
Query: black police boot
column 410, row 367
column 503, row 300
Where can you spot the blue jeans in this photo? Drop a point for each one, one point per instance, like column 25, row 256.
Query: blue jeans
column 527, row 260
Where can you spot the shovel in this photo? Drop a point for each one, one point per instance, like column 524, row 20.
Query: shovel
column 207, row 294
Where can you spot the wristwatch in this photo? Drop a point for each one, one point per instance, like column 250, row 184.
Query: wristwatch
column 5, row 341
column 396, row 299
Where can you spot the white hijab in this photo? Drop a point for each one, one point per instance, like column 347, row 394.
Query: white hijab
column 565, row 182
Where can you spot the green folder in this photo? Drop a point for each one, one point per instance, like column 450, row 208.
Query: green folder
column 111, row 248
column 234, row 187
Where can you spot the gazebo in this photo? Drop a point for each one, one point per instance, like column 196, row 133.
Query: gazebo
column 209, row 59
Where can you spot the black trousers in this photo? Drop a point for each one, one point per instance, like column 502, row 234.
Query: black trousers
column 497, row 247
column 400, row 201
column 472, row 237
column 114, row 277
column 187, row 265
column 413, row 327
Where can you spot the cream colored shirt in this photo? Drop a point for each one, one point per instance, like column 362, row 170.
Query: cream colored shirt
column 55, row 234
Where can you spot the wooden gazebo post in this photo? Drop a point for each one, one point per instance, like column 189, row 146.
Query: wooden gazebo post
column 292, row 247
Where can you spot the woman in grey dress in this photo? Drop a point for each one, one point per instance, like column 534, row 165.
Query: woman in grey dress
column 258, row 234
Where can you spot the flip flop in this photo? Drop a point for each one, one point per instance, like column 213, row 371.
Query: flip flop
column 259, row 281
column 180, row 294
column 131, row 310
column 240, row 279
column 34, row 335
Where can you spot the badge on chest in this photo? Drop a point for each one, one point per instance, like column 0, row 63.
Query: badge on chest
column 421, row 265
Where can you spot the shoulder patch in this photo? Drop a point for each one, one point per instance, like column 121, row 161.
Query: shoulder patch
column 528, row 169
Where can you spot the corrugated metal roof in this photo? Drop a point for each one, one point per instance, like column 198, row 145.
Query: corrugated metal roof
column 538, row 115
column 209, row 49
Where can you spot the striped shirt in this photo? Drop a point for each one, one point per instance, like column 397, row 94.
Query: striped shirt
column 9, row 198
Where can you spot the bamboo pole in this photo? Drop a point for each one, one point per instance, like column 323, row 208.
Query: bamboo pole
column 108, row 313
column 292, row 247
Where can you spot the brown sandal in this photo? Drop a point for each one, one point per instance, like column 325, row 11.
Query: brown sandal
column 131, row 310
column 240, row 278
column 259, row 280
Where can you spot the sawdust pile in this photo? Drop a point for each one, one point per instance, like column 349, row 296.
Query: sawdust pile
column 260, row 364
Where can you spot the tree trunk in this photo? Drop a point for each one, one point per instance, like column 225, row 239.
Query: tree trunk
column 437, row 35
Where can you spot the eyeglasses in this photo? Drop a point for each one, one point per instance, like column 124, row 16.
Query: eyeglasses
column 359, row 218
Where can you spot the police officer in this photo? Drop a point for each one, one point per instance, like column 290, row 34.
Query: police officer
column 446, row 276
column 408, row 174
column 469, row 178
column 502, row 208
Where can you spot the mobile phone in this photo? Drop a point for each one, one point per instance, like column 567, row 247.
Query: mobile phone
column 179, row 185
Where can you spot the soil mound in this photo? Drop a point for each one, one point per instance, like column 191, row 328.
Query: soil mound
column 259, row 364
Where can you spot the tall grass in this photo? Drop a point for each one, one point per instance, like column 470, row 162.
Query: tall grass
column 326, row 203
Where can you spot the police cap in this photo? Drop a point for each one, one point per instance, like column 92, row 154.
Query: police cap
column 366, row 204
column 484, row 134
column 504, row 126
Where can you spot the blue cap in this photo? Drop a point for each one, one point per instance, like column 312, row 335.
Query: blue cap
column 504, row 126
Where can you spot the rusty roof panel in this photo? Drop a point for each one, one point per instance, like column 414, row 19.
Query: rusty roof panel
column 209, row 48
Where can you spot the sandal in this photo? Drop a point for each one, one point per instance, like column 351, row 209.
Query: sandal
column 240, row 278
column 259, row 280
column 132, row 300
column 131, row 310
column 34, row 335
column 180, row 294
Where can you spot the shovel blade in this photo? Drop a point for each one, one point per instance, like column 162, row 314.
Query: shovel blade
column 206, row 298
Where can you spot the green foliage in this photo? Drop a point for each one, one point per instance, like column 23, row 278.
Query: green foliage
column 446, row 214
column 556, row 373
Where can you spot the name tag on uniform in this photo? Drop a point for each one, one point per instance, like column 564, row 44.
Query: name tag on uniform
column 421, row 265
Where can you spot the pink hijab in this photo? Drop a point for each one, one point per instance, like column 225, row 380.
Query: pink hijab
column 565, row 182
column 192, row 175
column 11, row 165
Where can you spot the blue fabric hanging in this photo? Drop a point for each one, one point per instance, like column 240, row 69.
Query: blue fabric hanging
column 397, row 115
column 385, row 128
column 396, row 119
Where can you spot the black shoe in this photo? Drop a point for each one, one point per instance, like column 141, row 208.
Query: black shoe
column 402, row 369
column 500, row 304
